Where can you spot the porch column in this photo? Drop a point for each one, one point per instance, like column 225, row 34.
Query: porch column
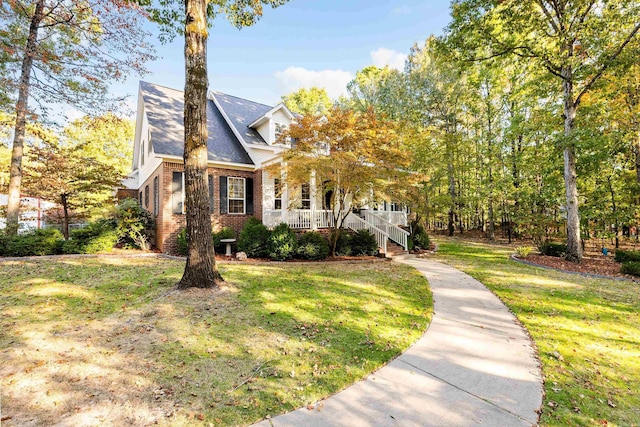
column 312, row 191
column 284, row 209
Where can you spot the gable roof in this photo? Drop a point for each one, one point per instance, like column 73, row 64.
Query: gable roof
column 164, row 108
column 242, row 113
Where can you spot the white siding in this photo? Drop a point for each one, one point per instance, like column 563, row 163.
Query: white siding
column 265, row 132
column 151, row 162
column 268, row 191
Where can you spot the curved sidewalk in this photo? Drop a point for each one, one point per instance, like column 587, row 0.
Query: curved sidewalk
column 474, row 366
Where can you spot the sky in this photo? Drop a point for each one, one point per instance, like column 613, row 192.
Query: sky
column 303, row 43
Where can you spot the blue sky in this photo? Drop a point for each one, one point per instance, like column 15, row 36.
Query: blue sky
column 302, row 44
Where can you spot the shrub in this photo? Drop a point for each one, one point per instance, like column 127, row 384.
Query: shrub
column 363, row 243
column 46, row 241
column 626, row 256
column 135, row 225
column 282, row 243
column 343, row 245
column 99, row 236
column 254, row 239
column 553, row 249
column 420, row 237
column 631, row 267
column 313, row 246
column 224, row 233
column 524, row 251
column 182, row 242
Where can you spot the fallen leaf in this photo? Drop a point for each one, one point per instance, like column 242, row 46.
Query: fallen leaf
column 610, row 403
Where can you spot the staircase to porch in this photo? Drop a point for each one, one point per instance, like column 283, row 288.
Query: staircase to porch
column 392, row 240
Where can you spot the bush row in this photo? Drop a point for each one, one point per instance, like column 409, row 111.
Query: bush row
column 626, row 256
column 96, row 237
column 281, row 243
column 130, row 226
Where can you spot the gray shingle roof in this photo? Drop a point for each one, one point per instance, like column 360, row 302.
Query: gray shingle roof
column 165, row 109
column 242, row 112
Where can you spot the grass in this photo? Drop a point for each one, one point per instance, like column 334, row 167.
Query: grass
column 109, row 340
column 587, row 332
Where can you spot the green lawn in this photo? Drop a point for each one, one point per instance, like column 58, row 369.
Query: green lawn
column 109, row 340
column 587, row 332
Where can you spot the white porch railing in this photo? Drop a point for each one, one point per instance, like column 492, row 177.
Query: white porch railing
column 299, row 218
column 356, row 223
column 394, row 217
column 395, row 233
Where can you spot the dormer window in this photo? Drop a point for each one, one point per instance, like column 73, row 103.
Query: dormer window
column 280, row 130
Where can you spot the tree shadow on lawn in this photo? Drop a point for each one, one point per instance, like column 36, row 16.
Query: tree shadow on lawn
column 134, row 355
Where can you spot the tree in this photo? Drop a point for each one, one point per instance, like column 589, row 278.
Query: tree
column 197, row 15
column 308, row 101
column 575, row 42
column 67, row 53
column 64, row 174
column 357, row 156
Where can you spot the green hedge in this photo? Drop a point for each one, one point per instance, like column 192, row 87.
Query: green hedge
column 99, row 236
column 46, row 241
column 363, row 243
column 312, row 246
column 282, row 243
column 553, row 249
column 631, row 267
column 626, row 256
column 254, row 239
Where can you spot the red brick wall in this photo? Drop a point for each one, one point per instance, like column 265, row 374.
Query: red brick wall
column 169, row 225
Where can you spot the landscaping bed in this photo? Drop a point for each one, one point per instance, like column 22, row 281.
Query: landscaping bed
column 109, row 340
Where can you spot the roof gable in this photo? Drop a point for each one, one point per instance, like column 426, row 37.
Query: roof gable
column 241, row 113
column 164, row 108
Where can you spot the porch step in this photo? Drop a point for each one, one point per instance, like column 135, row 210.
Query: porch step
column 393, row 250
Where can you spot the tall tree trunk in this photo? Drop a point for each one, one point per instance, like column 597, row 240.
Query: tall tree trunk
column 574, row 248
column 614, row 208
column 452, row 185
column 200, row 270
column 637, row 153
column 65, row 217
column 15, row 174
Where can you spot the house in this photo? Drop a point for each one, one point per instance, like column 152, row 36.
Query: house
column 243, row 138
column 32, row 212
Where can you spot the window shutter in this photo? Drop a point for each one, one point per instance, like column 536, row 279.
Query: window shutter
column 211, row 194
column 248, row 194
column 176, row 193
column 223, row 195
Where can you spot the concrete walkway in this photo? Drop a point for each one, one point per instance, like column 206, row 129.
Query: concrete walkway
column 474, row 366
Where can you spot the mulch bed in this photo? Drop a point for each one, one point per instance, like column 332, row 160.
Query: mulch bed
column 591, row 264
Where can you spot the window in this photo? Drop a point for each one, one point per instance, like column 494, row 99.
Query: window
column 177, row 195
column 142, row 153
column 146, row 197
column 156, row 196
column 150, row 148
column 140, row 198
column 277, row 188
column 306, row 196
column 235, row 187
column 280, row 130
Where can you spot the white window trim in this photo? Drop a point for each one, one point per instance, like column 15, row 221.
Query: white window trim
column 244, row 196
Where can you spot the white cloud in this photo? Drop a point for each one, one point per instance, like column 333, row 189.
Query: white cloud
column 392, row 58
column 334, row 81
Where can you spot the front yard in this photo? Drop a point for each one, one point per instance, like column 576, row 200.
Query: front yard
column 587, row 332
column 85, row 341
